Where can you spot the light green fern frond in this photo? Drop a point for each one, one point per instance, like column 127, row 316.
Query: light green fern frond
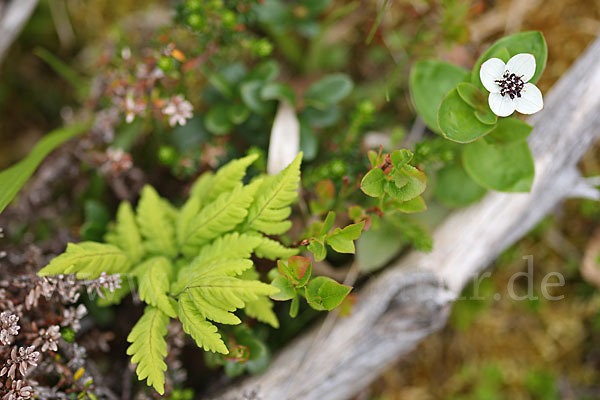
column 194, row 324
column 148, row 347
column 155, row 220
column 228, row 292
column 261, row 308
column 126, row 234
column 88, row 260
column 269, row 212
column 154, row 276
column 230, row 246
column 217, row 218
column 202, row 186
column 271, row 249
column 216, row 297
column 199, row 269
column 206, row 189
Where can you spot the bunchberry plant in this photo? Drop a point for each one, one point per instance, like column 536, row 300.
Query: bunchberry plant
column 194, row 264
column 492, row 151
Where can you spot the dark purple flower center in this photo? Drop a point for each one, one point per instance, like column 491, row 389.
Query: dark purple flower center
column 510, row 85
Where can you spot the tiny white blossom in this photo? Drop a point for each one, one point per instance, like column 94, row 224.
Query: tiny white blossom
column 132, row 108
column 179, row 110
column 508, row 85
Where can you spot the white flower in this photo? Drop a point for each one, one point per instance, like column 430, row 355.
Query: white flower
column 508, row 85
column 179, row 110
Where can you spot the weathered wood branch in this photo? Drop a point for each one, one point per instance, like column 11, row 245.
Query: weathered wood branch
column 410, row 300
column 13, row 16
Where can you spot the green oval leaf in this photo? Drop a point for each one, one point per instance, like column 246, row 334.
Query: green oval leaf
column 323, row 293
column 503, row 167
column 238, row 113
column 250, row 93
column 372, row 183
column 486, row 116
column 454, row 188
column 532, row 42
column 430, row 81
column 278, row 91
column 217, row 120
column 328, row 91
column 471, row 95
column 321, row 118
column 458, row 122
column 509, row 130
column 286, row 289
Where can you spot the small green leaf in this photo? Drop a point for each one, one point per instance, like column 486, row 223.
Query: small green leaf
column 328, row 223
column 238, row 113
column 342, row 240
column 309, row 142
column 301, row 269
column 509, row 130
column 266, row 71
column 502, row 167
column 454, row 188
column 373, row 182
column 217, row 120
column 408, row 183
column 471, row 95
column 400, row 157
column 250, row 92
column 317, row 247
column 323, row 293
column 412, row 206
column 278, row 91
column 378, row 246
column 458, row 122
column 321, row 118
column 286, row 289
column 531, row 42
column 430, row 81
column 221, row 84
column 294, row 306
column 486, row 116
column 328, row 91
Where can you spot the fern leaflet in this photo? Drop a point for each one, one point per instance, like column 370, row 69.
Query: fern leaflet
column 224, row 181
column 269, row 211
column 218, row 217
column 126, row 234
column 203, row 332
column 88, row 260
column 271, row 249
column 154, row 276
column 155, row 220
column 148, row 347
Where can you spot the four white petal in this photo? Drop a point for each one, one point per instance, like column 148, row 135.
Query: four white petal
column 523, row 66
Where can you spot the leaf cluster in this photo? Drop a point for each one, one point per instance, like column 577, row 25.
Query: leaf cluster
column 494, row 152
column 293, row 279
column 192, row 264
column 396, row 182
